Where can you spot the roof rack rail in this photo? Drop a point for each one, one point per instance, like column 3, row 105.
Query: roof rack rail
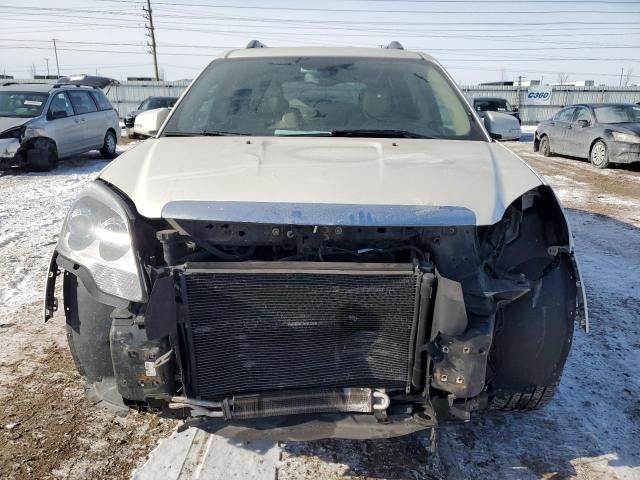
column 395, row 45
column 256, row 44
column 85, row 81
column 71, row 84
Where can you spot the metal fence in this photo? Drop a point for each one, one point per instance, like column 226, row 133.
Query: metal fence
column 128, row 95
column 560, row 97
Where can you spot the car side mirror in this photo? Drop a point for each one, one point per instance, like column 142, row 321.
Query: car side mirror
column 501, row 126
column 55, row 114
column 584, row 123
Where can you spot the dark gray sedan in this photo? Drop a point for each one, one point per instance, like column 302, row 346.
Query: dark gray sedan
column 604, row 133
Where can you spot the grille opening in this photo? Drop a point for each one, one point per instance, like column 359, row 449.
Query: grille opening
column 267, row 326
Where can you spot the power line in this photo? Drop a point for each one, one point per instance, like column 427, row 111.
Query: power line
column 360, row 10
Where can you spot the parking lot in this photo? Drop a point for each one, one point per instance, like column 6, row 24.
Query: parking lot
column 589, row 431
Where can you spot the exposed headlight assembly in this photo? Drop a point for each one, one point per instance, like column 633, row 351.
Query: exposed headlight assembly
column 97, row 235
column 625, row 137
column 16, row 132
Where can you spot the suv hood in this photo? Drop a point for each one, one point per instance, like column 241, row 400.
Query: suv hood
column 322, row 181
column 10, row 122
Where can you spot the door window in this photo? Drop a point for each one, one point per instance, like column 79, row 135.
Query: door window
column 101, row 101
column 583, row 114
column 61, row 102
column 565, row 115
column 82, row 102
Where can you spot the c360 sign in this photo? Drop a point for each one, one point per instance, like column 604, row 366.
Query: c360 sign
column 539, row 96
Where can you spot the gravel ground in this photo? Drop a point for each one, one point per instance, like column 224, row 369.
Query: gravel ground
column 589, row 431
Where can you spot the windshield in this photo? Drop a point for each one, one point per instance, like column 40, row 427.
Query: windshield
column 316, row 96
column 22, row 104
column 618, row 114
column 492, row 105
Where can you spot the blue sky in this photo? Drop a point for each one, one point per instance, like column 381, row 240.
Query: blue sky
column 476, row 41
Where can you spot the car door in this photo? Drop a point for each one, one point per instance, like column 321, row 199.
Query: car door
column 108, row 118
column 63, row 126
column 580, row 134
column 87, row 111
column 560, row 126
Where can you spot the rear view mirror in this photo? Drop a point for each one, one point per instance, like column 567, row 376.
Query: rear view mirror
column 55, row 114
column 502, row 126
column 148, row 123
column 584, row 123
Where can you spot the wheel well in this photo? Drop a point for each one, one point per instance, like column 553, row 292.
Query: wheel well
column 31, row 142
column 536, row 141
column 110, row 129
column 594, row 142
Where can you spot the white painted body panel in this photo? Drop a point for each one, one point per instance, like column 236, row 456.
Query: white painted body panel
column 149, row 122
column 481, row 177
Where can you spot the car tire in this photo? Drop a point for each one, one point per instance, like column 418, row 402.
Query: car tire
column 529, row 351
column 108, row 149
column 533, row 399
column 42, row 156
column 545, row 146
column 599, row 154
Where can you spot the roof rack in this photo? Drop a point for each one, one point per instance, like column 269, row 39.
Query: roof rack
column 256, row 44
column 85, row 81
column 395, row 45
column 70, row 84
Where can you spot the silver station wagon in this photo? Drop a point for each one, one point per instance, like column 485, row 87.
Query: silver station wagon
column 42, row 123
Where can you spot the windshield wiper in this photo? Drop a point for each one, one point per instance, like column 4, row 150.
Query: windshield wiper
column 378, row 133
column 180, row 134
column 220, row 133
column 204, row 133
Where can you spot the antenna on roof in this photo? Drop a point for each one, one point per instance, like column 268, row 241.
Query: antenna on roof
column 256, row 44
column 395, row 45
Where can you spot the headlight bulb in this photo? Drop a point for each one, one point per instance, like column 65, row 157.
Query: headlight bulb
column 114, row 238
column 80, row 225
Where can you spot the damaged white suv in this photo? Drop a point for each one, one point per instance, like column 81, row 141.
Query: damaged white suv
column 319, row 242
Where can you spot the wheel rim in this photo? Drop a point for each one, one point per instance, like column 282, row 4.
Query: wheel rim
column 599, row 153
column 111, row 143
column 545, row 146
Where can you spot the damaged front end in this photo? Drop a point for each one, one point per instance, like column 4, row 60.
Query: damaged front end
column 294, row 330
column 11, row 151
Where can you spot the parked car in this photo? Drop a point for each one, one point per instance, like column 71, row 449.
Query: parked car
column 329, row 246
column 495, row 104
column 42, row 123
column 604, row 133
column 150, row 103
column 148, row 123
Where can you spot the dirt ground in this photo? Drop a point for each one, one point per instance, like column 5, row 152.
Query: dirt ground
column 590, row 431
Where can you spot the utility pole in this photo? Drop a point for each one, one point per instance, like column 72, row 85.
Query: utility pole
column 152, row 35
column 55, row 49
column 519, row 89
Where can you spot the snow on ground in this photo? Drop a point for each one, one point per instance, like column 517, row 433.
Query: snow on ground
column 589, row 431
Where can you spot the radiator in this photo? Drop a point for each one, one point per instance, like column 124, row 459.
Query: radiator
column 254, row 327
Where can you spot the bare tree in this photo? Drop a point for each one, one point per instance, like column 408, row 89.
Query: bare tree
column 563, row 77
column 33, row 70
column 626, row 80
